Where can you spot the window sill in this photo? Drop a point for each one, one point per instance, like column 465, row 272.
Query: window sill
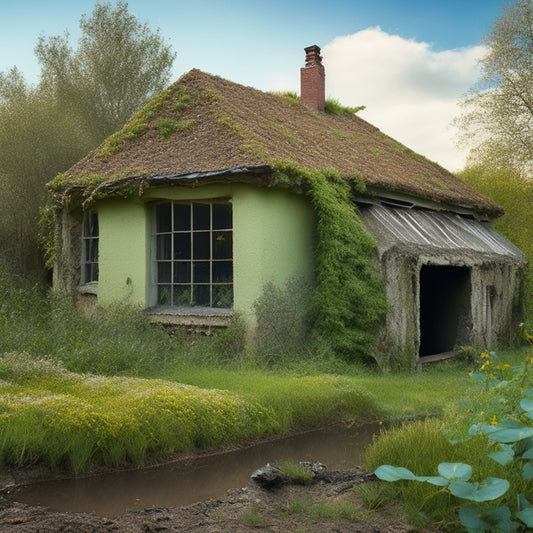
column 190, row 316
column 89, row 288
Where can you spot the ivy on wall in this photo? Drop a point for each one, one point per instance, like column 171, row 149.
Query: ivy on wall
column 349, row 302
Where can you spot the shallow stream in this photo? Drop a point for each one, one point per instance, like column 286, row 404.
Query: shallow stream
column 184, row 482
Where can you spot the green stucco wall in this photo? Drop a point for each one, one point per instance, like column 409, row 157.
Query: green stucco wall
column 272, row 241
column 122, row 253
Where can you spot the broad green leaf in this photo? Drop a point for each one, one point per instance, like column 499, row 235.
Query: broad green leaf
column 434, row 480
column 489, row 489
column 526, row 516
column 528, row 454
column 528, row 470
column 394, row 473
column 482, row 428
column 527, row 404
column 528, row 392
column 471, row 518
column 501, row 518
column 453, row 471
column 505, row 456
column 512, row 434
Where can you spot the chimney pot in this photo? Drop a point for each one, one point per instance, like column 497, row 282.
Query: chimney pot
column 313, row 80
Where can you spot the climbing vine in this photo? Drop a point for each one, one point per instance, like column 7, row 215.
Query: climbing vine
column 349, row 299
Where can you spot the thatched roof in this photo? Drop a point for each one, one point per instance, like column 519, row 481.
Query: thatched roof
column 204, row 124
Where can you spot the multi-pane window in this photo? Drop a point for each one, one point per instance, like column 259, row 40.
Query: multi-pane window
column 90, row 247
column 193, row 251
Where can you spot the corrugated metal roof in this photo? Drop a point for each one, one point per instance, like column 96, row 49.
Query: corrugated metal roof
column 444, row 230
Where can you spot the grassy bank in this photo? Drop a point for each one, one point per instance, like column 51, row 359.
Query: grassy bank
column 53, row 416
column 110, row 389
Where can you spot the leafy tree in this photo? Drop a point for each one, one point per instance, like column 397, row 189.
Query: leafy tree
column 36, row 143
column 498, row 117
column 515, row 195
column 83, row 95
column 118, row 65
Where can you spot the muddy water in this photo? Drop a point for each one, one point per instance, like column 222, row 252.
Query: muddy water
column 184, row 482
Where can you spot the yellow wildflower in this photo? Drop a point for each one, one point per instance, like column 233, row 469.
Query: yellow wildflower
column 485, row 355
column 493, row 421
column 485, row 365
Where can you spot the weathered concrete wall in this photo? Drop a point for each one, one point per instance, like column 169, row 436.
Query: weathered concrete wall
column 66, row 276
column 496, row 303
column 495, row 299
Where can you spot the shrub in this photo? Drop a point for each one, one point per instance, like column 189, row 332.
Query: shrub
column 282, row 316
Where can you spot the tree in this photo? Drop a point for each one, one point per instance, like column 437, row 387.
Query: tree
column 498, row 118
column 84, row 95
column 37, row 143
column 118, row 65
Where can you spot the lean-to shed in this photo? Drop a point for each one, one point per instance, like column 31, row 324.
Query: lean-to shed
column 181, row 213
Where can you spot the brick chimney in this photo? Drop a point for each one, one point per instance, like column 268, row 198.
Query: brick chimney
column 313, row 80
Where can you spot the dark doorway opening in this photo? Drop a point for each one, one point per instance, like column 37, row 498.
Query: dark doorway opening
column 445, row 314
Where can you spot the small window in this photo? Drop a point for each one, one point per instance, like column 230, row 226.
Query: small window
column 193, row 254
column 89, row 267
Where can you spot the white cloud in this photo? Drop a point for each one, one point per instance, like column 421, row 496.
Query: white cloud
column 410, row 91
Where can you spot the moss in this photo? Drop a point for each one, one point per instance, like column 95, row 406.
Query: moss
column 286, row 134
column 288, row 95
column 339, row 134
column 135, row 127
column 182, row 101
column 331, row 105
column 397, row 146
column 211, row 96
column 255, row 149
column 433, row 181
column 349, row 301
column 358, row 183
column 334, row 107
column 225, row 122
column 167, row 126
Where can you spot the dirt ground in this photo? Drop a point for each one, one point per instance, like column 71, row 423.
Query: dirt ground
column 244, row 509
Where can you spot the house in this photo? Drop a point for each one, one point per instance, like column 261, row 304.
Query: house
column 181, row 213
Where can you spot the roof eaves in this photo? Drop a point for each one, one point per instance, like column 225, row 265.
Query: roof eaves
column 260, row 175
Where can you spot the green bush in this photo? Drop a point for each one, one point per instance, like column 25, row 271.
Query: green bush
column 283, row 326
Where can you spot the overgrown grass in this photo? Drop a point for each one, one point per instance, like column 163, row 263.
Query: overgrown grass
column 111, row 389
column 52, row 416
column 422, row 445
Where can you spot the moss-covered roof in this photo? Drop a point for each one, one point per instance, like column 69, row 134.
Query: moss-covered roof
column 204, row 123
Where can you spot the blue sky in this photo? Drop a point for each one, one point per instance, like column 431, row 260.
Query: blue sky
column 400, row 58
